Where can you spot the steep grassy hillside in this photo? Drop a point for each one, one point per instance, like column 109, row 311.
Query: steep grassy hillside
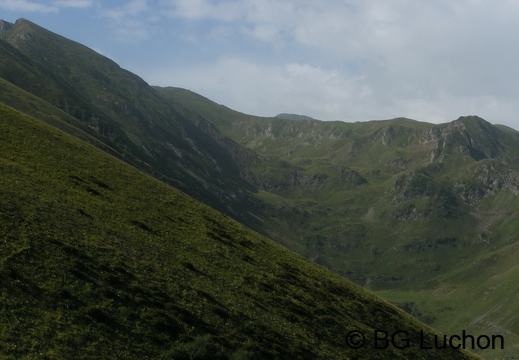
column 99, row 260
column 117, row 108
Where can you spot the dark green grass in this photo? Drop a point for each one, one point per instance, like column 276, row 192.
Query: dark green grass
column 102, row 261
column 124, row 114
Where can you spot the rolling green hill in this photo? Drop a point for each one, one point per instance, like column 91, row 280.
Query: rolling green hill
column 99, row 260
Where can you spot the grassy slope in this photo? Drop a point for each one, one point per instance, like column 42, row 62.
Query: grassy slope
column 100, row 261
column 416, row 232
column 128, row 116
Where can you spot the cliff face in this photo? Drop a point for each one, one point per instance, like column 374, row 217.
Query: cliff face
column 467, row 135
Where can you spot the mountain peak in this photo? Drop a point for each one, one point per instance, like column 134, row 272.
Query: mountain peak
column 5, row 26
column 471, row 135
column 471, row 119
column 21, row 31
column 294, row 117
column 475, row 123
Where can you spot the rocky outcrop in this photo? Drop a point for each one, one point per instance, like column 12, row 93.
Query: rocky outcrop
column 487, row 179
column 440, row 200
column 470, row 135
column 351, row 176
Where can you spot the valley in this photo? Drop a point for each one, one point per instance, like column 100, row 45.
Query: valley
column 423, row 215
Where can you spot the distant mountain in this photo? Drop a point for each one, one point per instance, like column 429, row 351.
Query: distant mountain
column 423, row 214
column 294, row 117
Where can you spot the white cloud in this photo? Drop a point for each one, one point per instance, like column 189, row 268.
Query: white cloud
column 43, row 7
column 415, row 57
column 80, row 4
column 131, row 20
column 26, row 5
column 133, row 8
column 266, row 89
column 332, row 59
column 205, row 9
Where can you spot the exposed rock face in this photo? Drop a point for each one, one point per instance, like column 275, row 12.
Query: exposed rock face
column 471, row 135
column 351, row 176
column 488, row 179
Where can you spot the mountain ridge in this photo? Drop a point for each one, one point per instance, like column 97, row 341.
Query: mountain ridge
column 5, row 26
column 440, row 176
column 293, row 116
column 136, row 121
column 417, row 212
column 102, row 260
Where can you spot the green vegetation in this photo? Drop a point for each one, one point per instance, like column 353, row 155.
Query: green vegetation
column 102, row 261
column 93, row 94
column 423, row 214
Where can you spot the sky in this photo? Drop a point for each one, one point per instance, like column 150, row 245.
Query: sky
column 349, row 60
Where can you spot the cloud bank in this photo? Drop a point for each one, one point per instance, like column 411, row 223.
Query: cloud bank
column 349, row 60
column 357, row 60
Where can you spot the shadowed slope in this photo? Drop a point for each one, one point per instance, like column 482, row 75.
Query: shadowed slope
column 100, row 260
column 120, row 110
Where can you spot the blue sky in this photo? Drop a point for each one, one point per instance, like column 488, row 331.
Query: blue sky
column 351, row 60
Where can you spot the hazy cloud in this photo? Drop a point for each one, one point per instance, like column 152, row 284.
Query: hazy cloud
column 404, row 58
column 331, row 59
column 80, row 4
column 205, row 9
column 25, row 5
column 300, row 87
column 131, row 21
column 43, row 6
